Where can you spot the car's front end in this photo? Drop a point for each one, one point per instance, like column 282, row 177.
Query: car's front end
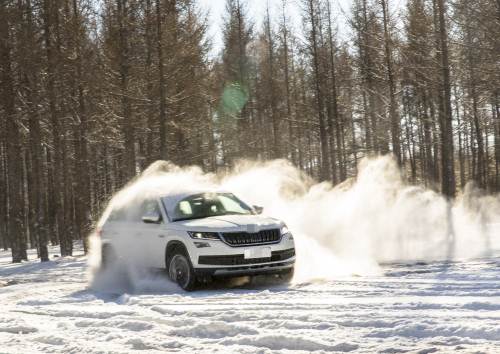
column 239, row 251
column 224, row 237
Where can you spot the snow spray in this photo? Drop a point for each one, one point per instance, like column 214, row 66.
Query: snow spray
column 342, row 230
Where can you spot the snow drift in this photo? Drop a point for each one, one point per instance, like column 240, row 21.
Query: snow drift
column 347, row 229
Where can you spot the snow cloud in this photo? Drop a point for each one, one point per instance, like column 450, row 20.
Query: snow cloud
column 348, row 229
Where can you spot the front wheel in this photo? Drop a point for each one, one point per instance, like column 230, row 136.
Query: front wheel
column 181, row 271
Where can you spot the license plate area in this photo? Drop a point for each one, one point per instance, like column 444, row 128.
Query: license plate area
column 257, row 252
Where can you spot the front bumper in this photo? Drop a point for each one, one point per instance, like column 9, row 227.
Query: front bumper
column 220, row 255
column 221, row 260
column 254, row 269
column 240, row 260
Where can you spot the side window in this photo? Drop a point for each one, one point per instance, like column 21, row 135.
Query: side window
column 184, row 208
column 117, row 215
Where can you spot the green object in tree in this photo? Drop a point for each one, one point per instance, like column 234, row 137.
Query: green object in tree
column 234, row 98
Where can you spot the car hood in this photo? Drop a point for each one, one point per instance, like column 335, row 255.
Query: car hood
column 249, row 223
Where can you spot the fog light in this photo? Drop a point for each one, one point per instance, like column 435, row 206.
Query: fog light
column 201, row 244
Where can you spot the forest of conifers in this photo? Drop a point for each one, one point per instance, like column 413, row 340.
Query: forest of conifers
column 91, row 92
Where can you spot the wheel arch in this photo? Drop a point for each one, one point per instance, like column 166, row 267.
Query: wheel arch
column 173, row 246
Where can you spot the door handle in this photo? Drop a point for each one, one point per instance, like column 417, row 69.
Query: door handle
column 161, row 236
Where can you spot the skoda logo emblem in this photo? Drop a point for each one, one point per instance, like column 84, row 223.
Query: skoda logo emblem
column 252, row 228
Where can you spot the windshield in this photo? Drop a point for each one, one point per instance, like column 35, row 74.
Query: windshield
column 199, row 206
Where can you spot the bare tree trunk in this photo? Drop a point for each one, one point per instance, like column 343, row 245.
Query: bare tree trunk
column 293, row 154
column 83, row 204
column 354, row 145
column 368, row 67
column 57, row 205
column 38, row 187
column 4, row 229
column 337, row 118
column 393, row 110
column 67, row 238
column 461, row 157
column 495, row 106
column 410, row 137
column 161, row 77
column 274, row 116
column 427, row 127
column 13, row 143
column 243, row 121
column 52, row 198
column 480, row 173
column 325, row 162
column 447, row 156
column 127, row 127
column 368, row 136
column 149, row 84
column 299, row 125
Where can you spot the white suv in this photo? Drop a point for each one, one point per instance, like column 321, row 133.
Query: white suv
column 198, row 235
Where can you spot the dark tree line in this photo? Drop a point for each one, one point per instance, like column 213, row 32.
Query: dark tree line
column 92, row 92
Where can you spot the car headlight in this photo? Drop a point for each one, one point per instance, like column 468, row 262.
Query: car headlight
column 204, row 235
column 286, row 232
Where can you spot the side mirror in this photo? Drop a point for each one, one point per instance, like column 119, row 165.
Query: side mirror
column 152, row 218
column 258, row 209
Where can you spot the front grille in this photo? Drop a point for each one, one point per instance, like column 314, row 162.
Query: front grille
column 239, row 259
column 246, row 238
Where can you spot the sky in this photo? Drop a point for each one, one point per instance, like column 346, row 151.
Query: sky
column 257, row 10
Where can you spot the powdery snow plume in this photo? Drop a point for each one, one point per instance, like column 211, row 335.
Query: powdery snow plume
column 339, row 231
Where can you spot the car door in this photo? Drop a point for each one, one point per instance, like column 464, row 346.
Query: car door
column 152, row 234
column 119, row 230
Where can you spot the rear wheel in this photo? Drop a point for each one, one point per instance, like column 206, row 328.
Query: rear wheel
column 181, row 271
column 113, row 272
column 108, row 257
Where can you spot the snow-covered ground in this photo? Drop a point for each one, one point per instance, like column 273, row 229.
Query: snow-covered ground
column 425, row 308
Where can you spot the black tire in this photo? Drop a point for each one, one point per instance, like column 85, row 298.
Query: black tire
column 114, row 272
column 180, row 270
column 108, row 257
